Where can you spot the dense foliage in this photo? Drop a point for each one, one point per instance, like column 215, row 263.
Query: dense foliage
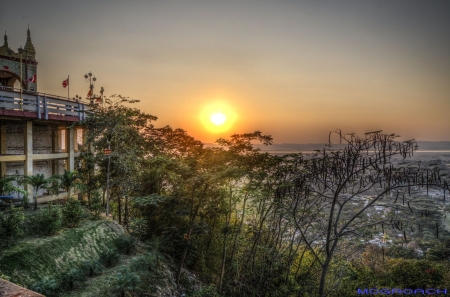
column 249, row 223
column 49, row 220
column 72, row 212
column 255, row 224
column 11, row 221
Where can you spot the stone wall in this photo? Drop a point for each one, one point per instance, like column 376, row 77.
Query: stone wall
column 42, row 139
column 15, row 167
column 61, row 166
column 15, row 137
column 43, row 167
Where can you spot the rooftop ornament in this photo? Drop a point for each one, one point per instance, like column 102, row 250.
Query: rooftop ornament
column 91, row 79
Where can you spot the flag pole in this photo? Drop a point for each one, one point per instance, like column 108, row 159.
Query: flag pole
column 68, row 87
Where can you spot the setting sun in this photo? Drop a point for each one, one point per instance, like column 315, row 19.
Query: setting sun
column 218, row 118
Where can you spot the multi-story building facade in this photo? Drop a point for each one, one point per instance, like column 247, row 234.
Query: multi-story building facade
column 35, row 128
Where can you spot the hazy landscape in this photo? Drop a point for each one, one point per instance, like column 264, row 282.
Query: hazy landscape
column 224, row 148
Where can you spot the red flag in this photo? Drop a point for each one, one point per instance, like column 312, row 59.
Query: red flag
column 89, row 94
column 65, row 83
column 32, row 79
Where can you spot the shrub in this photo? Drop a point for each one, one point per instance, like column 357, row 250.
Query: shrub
column 138, row 227
column 416, row 273
column 124, row 283
column 209, row 291
column 11, row 224
column 126, row 244
column 3, row 276
column 96, row 205
column 72, row 278
column 26, row 201
column 439, row 251
column 147, row 262
column 47, row 286
column 91, row 268
column 72, row 212
column 49, row 221
column 109, row 257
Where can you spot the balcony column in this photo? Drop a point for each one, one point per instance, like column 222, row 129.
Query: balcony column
column 71, row 151
column 55, row 149
column 3, row 148
column 28, row 169
column 71, row 148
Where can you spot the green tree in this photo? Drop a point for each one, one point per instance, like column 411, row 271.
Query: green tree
column 413, row 273
column 49, row 220
column 72, row 212
column 123, row 129
column 54, row 185
column 70, row 180
column 88, row 175
column 439, row 251
column 96, row 204
column 11, row 222
column 124, row 283
column 37, row 181
column 7, row 187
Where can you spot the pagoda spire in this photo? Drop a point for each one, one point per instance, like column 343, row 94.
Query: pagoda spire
column 5, row 40
column 29, row 47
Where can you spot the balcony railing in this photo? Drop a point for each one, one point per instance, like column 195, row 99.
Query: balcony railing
column 42, row 104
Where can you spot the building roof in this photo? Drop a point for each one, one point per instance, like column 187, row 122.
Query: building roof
column 29, row 51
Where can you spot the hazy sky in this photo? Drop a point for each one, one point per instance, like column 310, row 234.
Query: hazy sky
column 292, row 69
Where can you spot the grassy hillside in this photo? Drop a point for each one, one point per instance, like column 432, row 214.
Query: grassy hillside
column 31, row 259
column 161, row 284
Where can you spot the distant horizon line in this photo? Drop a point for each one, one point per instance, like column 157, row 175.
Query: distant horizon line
column 424, row 146
column 323, row 143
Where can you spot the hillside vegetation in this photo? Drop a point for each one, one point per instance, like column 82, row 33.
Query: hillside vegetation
column 363, row 214
column 31, row 259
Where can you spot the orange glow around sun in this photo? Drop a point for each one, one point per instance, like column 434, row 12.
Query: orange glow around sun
column 217, row 117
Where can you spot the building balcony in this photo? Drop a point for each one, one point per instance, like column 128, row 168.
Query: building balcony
column 41, row 106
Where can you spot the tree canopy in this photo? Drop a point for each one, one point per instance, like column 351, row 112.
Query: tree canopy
column 255, row 223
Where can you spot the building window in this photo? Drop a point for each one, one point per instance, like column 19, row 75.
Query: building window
column 62, row 140
column 79, row 138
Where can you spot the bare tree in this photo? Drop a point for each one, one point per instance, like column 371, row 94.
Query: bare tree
column 331, row 194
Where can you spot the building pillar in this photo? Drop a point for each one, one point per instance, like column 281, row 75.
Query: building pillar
column 55, row 139
column 28, row 169
column 55, row 166
column 75, row 139
column 71, row 151
column 2, row 148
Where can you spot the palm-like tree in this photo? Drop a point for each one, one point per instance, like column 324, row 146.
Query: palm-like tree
column 55, row 184
column 37, row 181
column 70, row 180
column 6, row 185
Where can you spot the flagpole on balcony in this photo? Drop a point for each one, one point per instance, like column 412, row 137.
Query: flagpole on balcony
column 68, row 87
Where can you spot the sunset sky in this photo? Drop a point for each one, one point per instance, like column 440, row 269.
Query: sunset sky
column 292, row 69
